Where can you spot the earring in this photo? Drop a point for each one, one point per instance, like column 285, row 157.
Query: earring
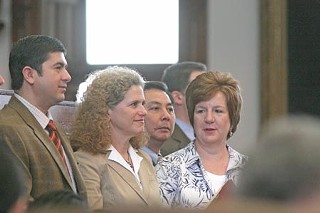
column 230, row 133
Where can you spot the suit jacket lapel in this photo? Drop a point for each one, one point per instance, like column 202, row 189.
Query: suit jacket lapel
column 43, row 137
column 128, row 177
column 39, row 132
column 145, row 178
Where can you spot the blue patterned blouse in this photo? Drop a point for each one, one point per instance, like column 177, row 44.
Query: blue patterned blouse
column 184, row 181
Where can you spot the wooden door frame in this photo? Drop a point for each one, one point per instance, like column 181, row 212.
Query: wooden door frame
column 274, row 67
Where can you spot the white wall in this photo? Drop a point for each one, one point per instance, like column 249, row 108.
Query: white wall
column 233, row 41
column 5, row 41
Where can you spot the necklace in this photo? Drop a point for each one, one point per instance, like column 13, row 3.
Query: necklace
column 129, row 161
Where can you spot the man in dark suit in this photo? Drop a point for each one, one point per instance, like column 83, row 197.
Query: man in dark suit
column 177, row 77
column 39, row 79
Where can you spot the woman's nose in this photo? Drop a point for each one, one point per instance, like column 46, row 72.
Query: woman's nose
column 143, row 110
column 209, row 118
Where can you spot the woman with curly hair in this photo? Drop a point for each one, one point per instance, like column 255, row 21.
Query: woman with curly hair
column 107, row 135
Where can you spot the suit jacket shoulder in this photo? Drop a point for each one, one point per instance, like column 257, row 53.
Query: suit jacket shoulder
column 111, row 185
column 43, row 167
column 178, row 140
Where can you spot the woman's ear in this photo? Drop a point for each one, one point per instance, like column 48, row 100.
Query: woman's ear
column 177, row 97
column 109, row 112
column 230, row 133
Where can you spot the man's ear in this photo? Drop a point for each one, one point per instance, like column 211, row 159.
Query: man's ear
column 177, row 97
column 29, row 74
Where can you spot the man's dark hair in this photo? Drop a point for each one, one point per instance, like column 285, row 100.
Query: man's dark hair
column 157, row 85
column 31, row 51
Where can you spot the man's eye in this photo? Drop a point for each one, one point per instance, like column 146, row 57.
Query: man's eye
column 154, row 108
column 58, row 68
column 170, row 110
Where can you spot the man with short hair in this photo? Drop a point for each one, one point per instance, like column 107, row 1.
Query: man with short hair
column 39, row 78
column 160, row 117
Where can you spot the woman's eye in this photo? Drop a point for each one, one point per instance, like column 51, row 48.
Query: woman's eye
column 219, row 111
column 200, row 111
column 134, row 104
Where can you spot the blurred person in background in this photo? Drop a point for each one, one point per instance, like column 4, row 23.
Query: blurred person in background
column 59, row 201
column 283, row 166
column 13, row 194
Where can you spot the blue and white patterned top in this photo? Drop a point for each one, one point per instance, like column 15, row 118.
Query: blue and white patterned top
column 184, row 182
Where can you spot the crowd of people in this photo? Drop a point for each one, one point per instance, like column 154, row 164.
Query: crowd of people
column 139, row 145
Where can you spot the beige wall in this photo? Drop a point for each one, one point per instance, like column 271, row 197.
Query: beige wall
column 233, row 40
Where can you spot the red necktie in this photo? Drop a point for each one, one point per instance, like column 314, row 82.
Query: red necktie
column 54, row 137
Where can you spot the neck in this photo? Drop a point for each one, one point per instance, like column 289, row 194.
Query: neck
column 122, row 148
column 214, row 160
column 154, row 145
column 212, row 152
column 120, row 143
column 33, row 100
column 181, row 113
column 124, row 152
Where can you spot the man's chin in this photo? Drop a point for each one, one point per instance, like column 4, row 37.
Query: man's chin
column 162, row 138
column 61, row 98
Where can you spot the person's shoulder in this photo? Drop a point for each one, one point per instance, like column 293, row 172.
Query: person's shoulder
column 175, row 158
column 169, row 146
column 143, row 152
column 14, row 113
column 11, row 121
column 7, row 111
column 90, row 158
column 235, row 152
column 175, row 142
column 178, row 134
column 241, row 158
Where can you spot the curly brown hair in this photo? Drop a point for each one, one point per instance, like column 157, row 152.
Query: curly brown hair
column 105, row 89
